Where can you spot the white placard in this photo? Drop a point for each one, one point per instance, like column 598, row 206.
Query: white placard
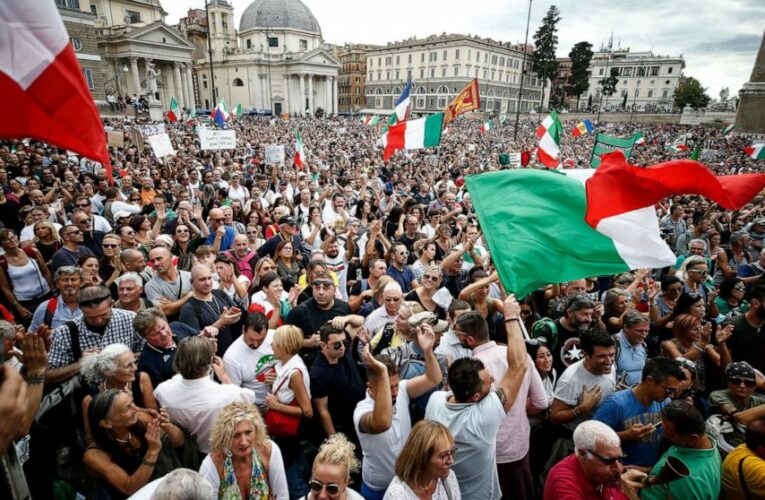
column 161, row 145
column 153, row 129
column 274, row 154
column 216, row 139
column 514, row 160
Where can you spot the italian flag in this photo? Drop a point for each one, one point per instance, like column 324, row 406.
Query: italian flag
column 413, row 134
column 299, row 152
column 755, row 151
column 370, row 120
column 548, row 134
column 639, row 139
column 237, row 111
column 729, row 128
column 174, row 114
column 546, row 227
column 45, row 95
column 677, row 148
column 486, row 126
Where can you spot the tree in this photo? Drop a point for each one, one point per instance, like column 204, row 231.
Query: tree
column 579, row 79
column 609, row 83
column 543, row 60
column 689, row 92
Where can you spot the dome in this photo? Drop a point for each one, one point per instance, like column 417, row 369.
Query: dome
column 268, row 14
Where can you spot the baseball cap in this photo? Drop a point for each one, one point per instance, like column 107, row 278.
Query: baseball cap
column 287, row 220
column 438, row 325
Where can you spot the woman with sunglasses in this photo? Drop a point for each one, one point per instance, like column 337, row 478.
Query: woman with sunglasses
column 263, row 266
column 443, row 241
column 695, row 272
column 666, row 300
column 424, row 467
column 243, row 462
column 423, row 294
column 739, row 396
column 730, row 302
column 332, row 468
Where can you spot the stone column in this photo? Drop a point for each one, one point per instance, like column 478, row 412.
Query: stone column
column 335, row 96
column 310, row 94
column 327, row 96
column 301, row 76
column 286, row 80
column 136, row 76
column 189, row 83
column 177, row 81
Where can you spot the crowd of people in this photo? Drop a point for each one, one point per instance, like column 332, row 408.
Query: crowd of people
column 213, row 325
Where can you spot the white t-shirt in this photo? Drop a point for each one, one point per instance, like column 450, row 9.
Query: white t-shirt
column 399, row 490
column 244, row 365
column 195, row 404
column 239, row 193
column 340, row 267
column 569, row 388
column 28, row 232
column 474, row 427
column 381, row 450
column 277, row 478
column 352, row 495
column 285, row 394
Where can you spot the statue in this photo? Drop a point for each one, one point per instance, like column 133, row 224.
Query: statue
column 151, row 79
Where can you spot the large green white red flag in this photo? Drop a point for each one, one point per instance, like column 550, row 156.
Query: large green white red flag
column 756, row 151
column 548, row 133
column 549, row 227
column 299, row 152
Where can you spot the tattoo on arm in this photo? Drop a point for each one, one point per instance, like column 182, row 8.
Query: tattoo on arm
column 501, row 395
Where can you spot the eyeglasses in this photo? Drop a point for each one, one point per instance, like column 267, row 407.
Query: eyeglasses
column 82, row 205
column 337, row 345
column 738, row 381
column 317, row 486
column 110, row 245
column 135, row 199
column 452, row 453
column 432, row 278
column 607, row 460
column 702, row 272
column 219, row 219
column 403, row 253
column 669, row 391
column 73, row 232
column 181, row 231
column 739, row 287
column 685, row 363
column 537, row 341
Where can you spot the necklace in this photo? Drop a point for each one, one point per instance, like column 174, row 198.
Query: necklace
column 217, row 310
column 124, row 441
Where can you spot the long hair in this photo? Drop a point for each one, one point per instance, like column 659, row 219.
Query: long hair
column 229, row 417
column 426, row 435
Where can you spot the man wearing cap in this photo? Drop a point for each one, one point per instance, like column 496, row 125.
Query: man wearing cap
column 739, row 395
column 114, row 205
column 287, row 229
column 757, row 233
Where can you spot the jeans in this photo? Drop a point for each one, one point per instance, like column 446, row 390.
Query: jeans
column 370, row 494
column 297, row 477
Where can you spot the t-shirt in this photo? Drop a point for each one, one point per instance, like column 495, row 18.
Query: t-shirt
column 567, row 481
column 754, row 474
column 569, row 388
column 631, row 359
column 403, row 277
column 621, row 410
column 747, row 343
column 309, row 318
column 339, row 266
column 567, row 351
column 703, row 482
column 342, row 386
column 474, row 427
column 724, row 397
column 381, row 450
column 246, row 367
column 201, row 313
column 173, row 290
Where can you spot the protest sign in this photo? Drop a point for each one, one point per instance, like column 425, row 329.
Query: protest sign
column 274, row 154
column 115, row 139
column 216, row 139
column 153, row 129
column 607, row 144
column 161, row 145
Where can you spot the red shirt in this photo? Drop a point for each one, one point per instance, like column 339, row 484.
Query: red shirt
column 567, row 481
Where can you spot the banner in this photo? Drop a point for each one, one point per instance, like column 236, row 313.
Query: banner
column 274, row 154
column 161, row 145
column 154, row 129
column 216, row 139
column 467, row 100
column 607, row 143
column 115, row 139
column 510, row 159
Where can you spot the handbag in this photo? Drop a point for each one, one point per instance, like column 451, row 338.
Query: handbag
column 280, row 424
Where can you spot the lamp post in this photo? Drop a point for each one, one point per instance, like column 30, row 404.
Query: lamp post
column 523, row 70
column 210, row 55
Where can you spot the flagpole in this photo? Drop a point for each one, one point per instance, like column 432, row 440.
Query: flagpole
column 523, row 69
column 210, row 53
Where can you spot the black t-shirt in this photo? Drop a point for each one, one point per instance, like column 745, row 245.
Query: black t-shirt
column 309, row 318
column 342, row 386
column 199, row 314
column 747, row 343
column 413, row 296
column 566, row 351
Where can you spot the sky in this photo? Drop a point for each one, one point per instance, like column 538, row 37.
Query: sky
column 718, row 40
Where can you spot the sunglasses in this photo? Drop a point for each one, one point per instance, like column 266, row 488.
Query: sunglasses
column 537, row 341
column 82, row 205
column 337, row 345
column 317, row 486
column 323, row 285
column 73, row 232
column 739, row 287
column 738, row 381
column 432, row 278
column 700, row 271
column 182, row 231
column 110, row 245
column 607, row 460
column 219, row 219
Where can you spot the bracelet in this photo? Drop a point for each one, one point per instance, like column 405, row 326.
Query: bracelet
column 35, row 379
column 695, row 346
column 576, row 412
column 146, row 462
column 512, row 319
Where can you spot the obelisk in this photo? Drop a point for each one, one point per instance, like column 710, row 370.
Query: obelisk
column 750, row 117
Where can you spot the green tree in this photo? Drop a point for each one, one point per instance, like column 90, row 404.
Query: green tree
column 689, row 92
column 609, row 83
column 545, row 43
column 579, row 79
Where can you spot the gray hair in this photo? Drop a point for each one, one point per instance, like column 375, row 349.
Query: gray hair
column 699, row 241
column 737, row 236
column 67, row 271
column 633, row 317
column 7, row 331
column 193, row 357
column 589, row 433
column 146, row 319
column 183, row 484
column 130, row 277
column 97, row 366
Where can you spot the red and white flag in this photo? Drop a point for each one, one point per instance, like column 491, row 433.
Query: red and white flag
column 299, row 152
column 548, row 133
column 45, row 95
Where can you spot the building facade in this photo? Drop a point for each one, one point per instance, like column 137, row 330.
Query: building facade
column 351, row 89
column 647, row 82
column 277, row 62
column 442, row 65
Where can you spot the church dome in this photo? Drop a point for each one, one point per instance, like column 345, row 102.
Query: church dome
column 270, row 14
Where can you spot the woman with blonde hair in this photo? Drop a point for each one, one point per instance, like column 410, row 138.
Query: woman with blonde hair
column 243, row 463
column 47, row 239
column 426, row 252
column 430, row 282
column 290, row 397
column 332, row 470
column 423, row 469
column 263, row 266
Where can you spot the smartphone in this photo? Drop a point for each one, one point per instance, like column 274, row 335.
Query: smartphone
column 657, row 424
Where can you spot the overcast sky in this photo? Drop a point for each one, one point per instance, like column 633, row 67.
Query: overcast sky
column 718, row 39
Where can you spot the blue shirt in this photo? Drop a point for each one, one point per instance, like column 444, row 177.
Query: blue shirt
column 226, row 242
column 620, row 411
column 61, row 315
column 403, row 277
column 631, row 360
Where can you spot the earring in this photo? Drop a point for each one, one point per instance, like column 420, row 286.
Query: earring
column 227, row 452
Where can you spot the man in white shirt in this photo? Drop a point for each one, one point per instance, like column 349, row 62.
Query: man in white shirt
column 382, row 419
column 393, row 297
column 334, row 214
column 249, row 361
column 191, row 398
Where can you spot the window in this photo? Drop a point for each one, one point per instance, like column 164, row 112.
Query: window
column 432, row 72
column 68, row 4
column 493, row 75
column 669, row 71
column 237, row 82
column 420, row 103
column 388, row 60
column 600, row 71
column 443, row 71
column 303, row 44
column 131, row 16
column 665, row 94
column 654, row 71
column 89, row 78
column 249, row 43
column 627, row 72
column 76, row 44
column 442, row 103
column 485, row 58
column 494, row 59
column 387, row 75
column 457, row 54
column 370, row 76
column 650, row 93
column 397, row 60
column 422, row 73
column 641, row 71
column 477, row 56
column 93, row 10
column 409, row 74
column 637, row 92
column 396, row 74
column 485, row 74
column 273, row 41
column 456, row 71
column 371, row 62
column 433, row 57
column 409, row 59
column 204, row 81
column 653, row 81
column 379, row 61
column 422, row 57
column 443, row 58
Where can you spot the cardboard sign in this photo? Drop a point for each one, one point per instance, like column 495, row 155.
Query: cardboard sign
column 161, row 145
column 216, row 139
column 274, row 154
column 115, row 139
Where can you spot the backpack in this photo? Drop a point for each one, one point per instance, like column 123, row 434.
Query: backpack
column 546, row 327
column 50, row 310
column 385, row 339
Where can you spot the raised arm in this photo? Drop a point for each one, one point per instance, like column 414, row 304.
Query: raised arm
column 510, row 383
column 421, row 384
column 380, row 418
